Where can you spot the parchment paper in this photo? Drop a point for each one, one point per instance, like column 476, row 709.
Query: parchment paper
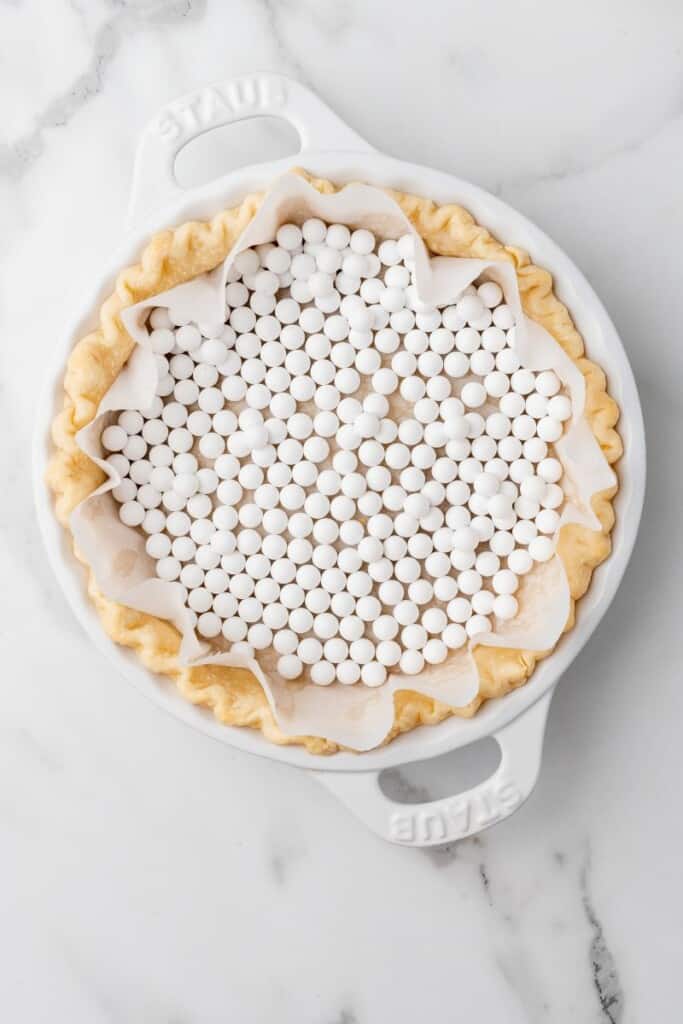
column 355, row 716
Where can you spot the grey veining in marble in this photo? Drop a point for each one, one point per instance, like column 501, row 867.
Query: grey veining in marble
column 105, row 41
column 151, row 875
column 605, row 974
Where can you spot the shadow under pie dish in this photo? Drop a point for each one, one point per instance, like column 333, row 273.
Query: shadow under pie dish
column 109, row 365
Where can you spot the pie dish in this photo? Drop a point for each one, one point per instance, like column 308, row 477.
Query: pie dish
column 331, row 150
column 175, row 256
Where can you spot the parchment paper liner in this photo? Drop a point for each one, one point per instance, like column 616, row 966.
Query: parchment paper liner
column 357, row 716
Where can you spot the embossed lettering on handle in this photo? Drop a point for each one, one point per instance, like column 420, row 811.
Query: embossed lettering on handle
column 219, row 104
column 457, row 817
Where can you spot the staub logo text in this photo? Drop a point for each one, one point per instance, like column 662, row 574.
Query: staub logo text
column 220, row 104
column 457, row 818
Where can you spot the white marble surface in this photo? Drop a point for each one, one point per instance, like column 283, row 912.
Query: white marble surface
column 151, row 875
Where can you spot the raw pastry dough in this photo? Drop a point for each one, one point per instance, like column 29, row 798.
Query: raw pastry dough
column 177, row 255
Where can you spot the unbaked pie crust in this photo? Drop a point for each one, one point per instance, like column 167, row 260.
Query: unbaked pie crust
column 174, row 256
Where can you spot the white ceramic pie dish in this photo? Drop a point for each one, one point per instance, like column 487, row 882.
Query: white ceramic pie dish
column 331, row 150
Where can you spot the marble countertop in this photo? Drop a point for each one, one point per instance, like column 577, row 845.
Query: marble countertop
column 152, row 875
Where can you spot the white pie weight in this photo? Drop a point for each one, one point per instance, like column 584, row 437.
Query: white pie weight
column 335, row 470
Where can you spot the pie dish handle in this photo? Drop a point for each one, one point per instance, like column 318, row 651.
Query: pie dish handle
column 464, row 814
column 235, row 99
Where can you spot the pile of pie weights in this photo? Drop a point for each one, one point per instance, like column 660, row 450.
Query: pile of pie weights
column 337, row 472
